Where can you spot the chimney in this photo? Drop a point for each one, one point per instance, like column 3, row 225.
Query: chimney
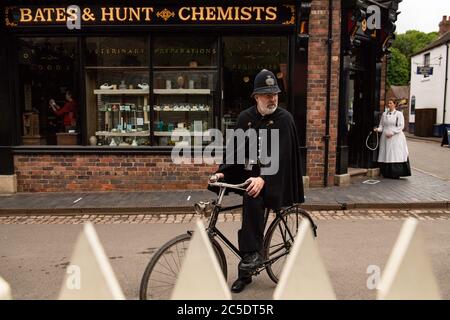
column 444, row 25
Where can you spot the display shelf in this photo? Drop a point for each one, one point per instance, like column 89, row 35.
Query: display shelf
column 123, row 134
column 181, row 133
column 122, row 91
column 181, row 91
column 159, row 109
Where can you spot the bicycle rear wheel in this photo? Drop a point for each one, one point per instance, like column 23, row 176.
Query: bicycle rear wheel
column 162, row 271
column 280, row 238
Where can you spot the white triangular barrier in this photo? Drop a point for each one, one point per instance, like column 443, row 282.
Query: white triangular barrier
column 200, row 277
column 408, row 274
column 5, row 290
column 89, row 275
column 304, row 276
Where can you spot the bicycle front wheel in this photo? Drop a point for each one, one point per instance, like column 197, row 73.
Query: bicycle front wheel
column 162, row 271
column 280, row 238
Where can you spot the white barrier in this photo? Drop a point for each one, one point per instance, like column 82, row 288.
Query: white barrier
column 89, row 275
column 304, row 276
column 201, row 277
column 408, row 274
column 5, row 290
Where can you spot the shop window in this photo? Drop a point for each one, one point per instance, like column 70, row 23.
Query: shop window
column 185, row 89
column 244, row 57
column 49, row 91
column 117, row 91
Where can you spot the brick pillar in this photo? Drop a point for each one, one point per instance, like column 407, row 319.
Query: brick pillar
column 317, row 91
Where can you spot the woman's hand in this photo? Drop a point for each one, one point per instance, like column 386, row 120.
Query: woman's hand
column 389, row 135
column 255, row 186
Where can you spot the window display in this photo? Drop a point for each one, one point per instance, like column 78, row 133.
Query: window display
column 48, row 74
column 117, row 91
column 185, row 86
column 183, row 103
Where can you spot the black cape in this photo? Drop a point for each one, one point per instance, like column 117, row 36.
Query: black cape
column 285, row 187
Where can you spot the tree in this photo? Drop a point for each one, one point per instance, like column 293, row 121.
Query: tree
column 404, row 46
column 412, row 41
column 398, row 69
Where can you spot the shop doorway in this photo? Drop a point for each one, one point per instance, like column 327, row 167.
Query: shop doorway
column 363, row 105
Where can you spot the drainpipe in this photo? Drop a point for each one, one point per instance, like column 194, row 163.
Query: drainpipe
column 446, row 88
column 328, row 102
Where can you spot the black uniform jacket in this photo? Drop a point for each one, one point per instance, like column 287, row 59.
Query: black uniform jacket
column 285, row 187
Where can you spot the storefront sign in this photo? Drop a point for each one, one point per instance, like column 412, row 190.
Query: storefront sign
column 32, row 16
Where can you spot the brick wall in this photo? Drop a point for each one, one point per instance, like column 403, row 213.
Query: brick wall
column 317, row 91
column 64, row 173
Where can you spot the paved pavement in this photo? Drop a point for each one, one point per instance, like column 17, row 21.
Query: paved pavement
column 34, row 257
column 419, row 190
column 437, row 165
column 429, row 186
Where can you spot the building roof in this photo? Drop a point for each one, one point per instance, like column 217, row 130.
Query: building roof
column 445, row 38
column 398, row 92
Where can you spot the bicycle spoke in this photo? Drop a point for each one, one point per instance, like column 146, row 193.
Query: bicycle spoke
column 281, row 239
column 177, row 265
column 179, row 259
column 160, row 292
column 171, row 270
column 169, row 283
column 166, row 274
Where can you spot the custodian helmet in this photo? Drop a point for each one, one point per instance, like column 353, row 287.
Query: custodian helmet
column 265, row 82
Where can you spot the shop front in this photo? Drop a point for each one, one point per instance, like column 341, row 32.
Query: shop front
column 91, row 100
column 367, row 33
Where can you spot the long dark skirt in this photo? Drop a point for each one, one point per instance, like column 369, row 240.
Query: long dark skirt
column 395, row 170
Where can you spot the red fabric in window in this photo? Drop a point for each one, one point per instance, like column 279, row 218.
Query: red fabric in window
column 69, row 110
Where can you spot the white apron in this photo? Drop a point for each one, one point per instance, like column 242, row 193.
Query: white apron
column 395, row 149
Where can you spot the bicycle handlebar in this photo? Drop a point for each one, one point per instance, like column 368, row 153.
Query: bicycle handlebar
column 240, row 186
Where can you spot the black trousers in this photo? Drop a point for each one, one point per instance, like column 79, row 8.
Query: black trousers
column 251, row 234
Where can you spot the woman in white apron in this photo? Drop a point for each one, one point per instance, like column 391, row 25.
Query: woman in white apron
column 393, row 155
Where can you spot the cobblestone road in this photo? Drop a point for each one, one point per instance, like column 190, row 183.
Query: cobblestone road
column 430, row 215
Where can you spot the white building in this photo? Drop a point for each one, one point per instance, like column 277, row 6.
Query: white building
column 431, row 88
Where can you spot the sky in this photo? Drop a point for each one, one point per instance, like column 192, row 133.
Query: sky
column 422, row 15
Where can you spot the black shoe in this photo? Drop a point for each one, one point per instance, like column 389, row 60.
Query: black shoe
column 251, row 261
column 240, row 284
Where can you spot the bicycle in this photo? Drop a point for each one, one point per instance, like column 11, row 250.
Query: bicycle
column 161, row 272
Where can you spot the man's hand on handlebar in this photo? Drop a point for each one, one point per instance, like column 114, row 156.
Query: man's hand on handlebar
column 255, row 186
column 216, row 177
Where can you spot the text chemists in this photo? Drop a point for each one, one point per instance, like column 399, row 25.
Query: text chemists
column 228, row 14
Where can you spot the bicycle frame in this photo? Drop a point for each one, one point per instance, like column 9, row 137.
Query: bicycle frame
column 214, row 232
